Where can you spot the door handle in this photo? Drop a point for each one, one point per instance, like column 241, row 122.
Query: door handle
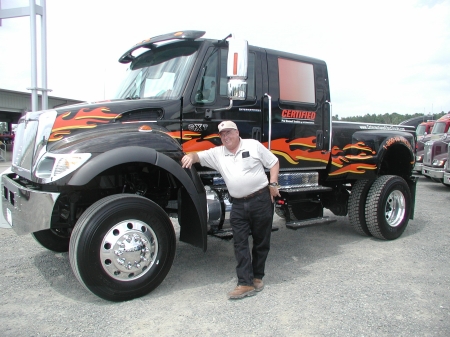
column 256, row 133
column 319, row 139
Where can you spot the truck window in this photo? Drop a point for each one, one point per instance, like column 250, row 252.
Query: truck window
column 206, row 90
column 439, row 127
column 296, row 81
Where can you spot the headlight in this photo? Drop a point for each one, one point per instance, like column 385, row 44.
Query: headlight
column 52, row 167
column 419, row 158
column 438, row 163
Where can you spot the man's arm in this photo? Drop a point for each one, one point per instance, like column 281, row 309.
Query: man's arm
column 189, row 159
column 274, row 172
column 275, row 169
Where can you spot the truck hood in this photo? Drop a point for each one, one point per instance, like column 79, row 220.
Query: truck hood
column 86, row 127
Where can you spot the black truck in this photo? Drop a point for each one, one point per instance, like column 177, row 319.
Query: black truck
column 102, row 180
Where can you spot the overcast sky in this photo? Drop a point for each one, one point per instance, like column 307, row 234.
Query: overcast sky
column 383, row 56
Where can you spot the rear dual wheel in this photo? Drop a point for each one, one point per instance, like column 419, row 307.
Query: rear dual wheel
column 388, row 207
column 381, row 208
column 357, row 206
column 122, row 247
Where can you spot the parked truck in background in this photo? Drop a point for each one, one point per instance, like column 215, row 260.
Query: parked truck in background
column 446, row 179
column 424, row 129
column 435, row 158
column 100, row 180
column 440, row 127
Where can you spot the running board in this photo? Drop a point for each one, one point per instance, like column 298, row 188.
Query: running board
column 296, row 224
column 227, row 234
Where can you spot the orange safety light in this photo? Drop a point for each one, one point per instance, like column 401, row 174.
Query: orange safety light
column 145, row 128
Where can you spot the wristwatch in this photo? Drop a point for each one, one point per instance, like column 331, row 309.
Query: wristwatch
column 274, row 185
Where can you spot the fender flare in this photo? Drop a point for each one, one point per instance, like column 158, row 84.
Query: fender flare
column 193, row 224
column 396, row 140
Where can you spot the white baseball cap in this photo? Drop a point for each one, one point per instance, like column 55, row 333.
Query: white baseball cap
column 227, row 125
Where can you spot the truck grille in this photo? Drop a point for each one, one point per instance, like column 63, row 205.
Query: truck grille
column 32, row 134
column 428, row 154
column 448, row 155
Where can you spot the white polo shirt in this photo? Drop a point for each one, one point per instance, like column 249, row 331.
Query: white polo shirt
column 243, row 172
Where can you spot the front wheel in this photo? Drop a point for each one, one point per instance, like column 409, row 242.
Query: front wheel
column 122, row 247
column 388, row 207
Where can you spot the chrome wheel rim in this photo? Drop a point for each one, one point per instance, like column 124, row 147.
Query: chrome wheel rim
column 395, row 208
column 129, row 250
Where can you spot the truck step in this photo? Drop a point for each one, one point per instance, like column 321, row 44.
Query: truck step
column 227, row 233
column 310, row 222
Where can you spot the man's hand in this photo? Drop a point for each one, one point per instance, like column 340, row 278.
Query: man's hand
column 274, row 192
column 189, row 159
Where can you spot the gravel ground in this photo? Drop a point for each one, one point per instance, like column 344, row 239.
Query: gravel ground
column 321, row 281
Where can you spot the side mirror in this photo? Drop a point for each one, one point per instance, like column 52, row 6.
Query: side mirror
column 237, row 68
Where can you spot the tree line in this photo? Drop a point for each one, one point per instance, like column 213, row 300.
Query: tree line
column 387, row 118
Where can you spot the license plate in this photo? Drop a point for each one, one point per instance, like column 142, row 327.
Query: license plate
column 9, row 216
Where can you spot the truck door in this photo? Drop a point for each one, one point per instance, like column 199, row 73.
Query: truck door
column 301, row 114
column 211, row 104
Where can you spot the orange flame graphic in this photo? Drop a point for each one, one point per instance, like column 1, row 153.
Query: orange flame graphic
column 82, row 119
column 295, row 151
column 343, row 163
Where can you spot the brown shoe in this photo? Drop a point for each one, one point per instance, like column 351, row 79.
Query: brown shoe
column 241, row 292
column 258, row 284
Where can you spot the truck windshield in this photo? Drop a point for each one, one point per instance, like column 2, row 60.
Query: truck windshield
column 420, row 130
column 439, row 127
column 160, row 73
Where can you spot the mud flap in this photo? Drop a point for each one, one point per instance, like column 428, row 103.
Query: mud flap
column 412, row 182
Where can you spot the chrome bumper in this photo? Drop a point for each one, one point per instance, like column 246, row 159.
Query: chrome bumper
column 446, row 179
column 26, row 210
column 418, row 167
column 433, row 172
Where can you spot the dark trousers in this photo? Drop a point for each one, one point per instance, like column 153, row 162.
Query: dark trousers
column 251, row 216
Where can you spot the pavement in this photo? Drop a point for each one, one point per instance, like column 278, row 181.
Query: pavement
column 321, row 281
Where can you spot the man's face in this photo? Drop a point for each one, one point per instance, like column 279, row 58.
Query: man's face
column 230, row 138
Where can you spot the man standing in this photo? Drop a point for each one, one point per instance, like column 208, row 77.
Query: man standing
column 241, row 163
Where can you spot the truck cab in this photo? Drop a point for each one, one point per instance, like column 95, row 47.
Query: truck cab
column 440, row 127
column 435, row 158
column 424, row 129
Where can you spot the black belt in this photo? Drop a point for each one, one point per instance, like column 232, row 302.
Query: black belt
column 254, row 194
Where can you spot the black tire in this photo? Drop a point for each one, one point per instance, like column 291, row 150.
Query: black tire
column 122, row 247
column 56, row 240
column 357, row 206
column 280, row 213
column 388, row 207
